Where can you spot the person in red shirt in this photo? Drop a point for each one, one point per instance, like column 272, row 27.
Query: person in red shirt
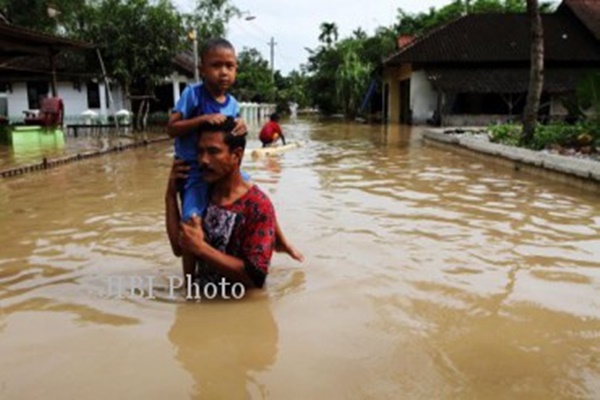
column 271, row 131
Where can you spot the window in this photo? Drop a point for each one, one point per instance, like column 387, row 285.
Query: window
column 93, row 95
column 35, row 91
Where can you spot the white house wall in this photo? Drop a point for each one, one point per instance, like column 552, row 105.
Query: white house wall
column 423, row 98
column 17, row 100
column 75, row 100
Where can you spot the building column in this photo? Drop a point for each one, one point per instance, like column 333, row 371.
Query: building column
column 102, row 93
column 176, row 94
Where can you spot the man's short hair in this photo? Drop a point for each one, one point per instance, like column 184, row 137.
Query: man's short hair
column 213, row 44
column 226, row 128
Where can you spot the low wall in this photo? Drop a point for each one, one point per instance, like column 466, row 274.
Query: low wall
column 54, row 162
column 579, row 172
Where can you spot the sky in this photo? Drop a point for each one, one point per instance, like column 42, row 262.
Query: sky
column 294, row 24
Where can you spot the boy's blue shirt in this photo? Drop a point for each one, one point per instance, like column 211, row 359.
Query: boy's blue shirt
column 196, row 100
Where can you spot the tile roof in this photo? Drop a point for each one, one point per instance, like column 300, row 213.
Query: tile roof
column 16, row 37
column 502, row 80
column 184, row 62
column 588, row 12
column 494, row 38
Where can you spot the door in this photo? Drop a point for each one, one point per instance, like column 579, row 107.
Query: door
column 405, row 112
column 386, row 102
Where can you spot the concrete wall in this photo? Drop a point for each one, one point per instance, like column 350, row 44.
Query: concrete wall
column 475, row 119
column 423, row 98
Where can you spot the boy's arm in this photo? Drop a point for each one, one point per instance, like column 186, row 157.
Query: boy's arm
column 240, row 127
column 183, row 119
column 177, row 126
column 281, row 134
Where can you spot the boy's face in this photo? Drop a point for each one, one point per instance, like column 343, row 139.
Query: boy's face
column 215, row 158
column 218, row 69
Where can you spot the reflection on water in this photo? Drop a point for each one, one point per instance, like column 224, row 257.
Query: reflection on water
column 223, row 346
column 429, row 274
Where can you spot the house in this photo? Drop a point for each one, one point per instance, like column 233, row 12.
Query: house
column 34, row 65
column 475, row 69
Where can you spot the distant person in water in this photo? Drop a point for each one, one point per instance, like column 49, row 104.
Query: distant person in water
column 271, row 131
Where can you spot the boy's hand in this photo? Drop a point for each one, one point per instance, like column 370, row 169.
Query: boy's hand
column 179, row 171
column 192, row 236
column 240, row 127
column 214, row 119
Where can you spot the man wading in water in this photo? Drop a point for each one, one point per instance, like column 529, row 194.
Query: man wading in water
column 238, row 238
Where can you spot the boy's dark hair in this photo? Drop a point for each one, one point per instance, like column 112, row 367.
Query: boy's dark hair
column 274, row 117
column 215, row 43
column 226, row 128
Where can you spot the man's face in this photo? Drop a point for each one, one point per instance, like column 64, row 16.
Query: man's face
column 218, row 69
column 215, row 159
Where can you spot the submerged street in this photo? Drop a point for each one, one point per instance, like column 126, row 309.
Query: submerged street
column 429, row 274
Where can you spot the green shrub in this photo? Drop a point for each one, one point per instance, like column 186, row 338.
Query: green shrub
column 508, row 134
column 546, row 136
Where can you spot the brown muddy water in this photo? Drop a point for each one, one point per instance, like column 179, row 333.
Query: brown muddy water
column 429, row 275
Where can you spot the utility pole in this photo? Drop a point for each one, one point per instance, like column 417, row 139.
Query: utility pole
column 193, row 36
column 272, row 44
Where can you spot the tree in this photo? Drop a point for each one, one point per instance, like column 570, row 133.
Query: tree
column 352, row 78
column 34, row 14
column 254, row 80
column 536, row 73
column 329, row 33
column 210, row 18
column 359, row 34
column 137, row 39
column 295, row 88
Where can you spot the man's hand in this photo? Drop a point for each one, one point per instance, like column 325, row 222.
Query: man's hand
column 240, row 127
column 179, row 171
column 192, row 237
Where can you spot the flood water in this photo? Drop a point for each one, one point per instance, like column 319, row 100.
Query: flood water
column 428, row 275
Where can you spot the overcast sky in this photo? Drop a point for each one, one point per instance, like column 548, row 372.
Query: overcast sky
column 294, row 24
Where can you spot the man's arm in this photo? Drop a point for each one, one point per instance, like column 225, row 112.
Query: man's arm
column 230, row 267
column 172, row 213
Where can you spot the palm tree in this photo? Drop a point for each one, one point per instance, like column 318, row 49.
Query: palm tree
column 359, row 34
column 329, row 33
column 536, row 73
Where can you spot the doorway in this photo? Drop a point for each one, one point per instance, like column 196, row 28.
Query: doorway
column 405, row 114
